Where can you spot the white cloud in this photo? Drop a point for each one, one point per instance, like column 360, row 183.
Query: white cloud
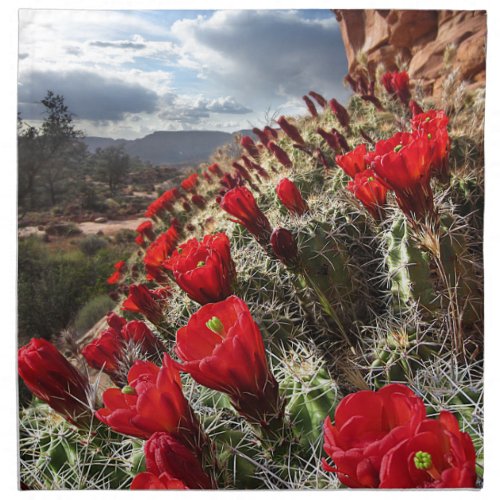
column 124, row 74
column 264, row 54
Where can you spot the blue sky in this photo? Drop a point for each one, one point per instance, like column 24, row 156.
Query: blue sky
column 130, row 73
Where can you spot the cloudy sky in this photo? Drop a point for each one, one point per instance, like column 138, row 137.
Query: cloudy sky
column 129, row 73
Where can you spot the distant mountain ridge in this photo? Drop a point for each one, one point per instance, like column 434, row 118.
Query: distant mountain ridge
column 169, row 147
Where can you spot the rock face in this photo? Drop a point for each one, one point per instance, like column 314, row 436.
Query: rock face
column 419, row 38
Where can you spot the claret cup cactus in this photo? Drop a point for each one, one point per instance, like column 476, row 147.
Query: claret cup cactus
column 291, row 317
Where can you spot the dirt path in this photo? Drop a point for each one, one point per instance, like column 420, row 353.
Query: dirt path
column 108, row 228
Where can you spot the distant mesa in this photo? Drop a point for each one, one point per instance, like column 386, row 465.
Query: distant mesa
column 167, row 147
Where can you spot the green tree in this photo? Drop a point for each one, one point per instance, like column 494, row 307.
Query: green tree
column 113, row 164
column 49, row 154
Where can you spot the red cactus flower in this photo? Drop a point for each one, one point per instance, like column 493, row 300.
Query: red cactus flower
column 370, row 192
column 164, row 202
column 248, row 144
column 158, row 251
column 367, row 426
column 397, row 84
column 207, row 177
column 433, row 125
column 189, row 184
column 140, row 241
column 148, row 481
column 280, row 154
column 54, row 380
column 383, row 147
column 198, row 200
column 221, row 348
column 415, row 108
column 290, row 130
column 117, row 275
column 310, row 106
column 151, row 402
column 318, row 98
column 407, row 171
column 147, row 302
column 215, row 169
column 145, row 229
column 204, row 270
column 353, row 162
column 166, row 454
column 340, row 112
column 290, row 196
column 284, row 246
column 240, row 203
column 436, row 455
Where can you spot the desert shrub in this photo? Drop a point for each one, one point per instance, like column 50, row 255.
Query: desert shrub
column 54, row 285
column 124, row 236
column 92, row 312
column 91, row 244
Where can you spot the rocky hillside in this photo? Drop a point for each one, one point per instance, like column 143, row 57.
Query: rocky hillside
column 165, row 147
column 420, row 39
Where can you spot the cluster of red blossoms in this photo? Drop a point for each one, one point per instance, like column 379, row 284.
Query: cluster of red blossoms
column 378, row 439
column 385, row 440
column 108, row 352
column 404, row 164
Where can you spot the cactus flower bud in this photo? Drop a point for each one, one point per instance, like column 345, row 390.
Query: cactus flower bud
column 147, row 302
column 415, row 108
column 340, row 140
column 248, row 144
column 240, row 203
column 340, row 112
column 284, row 246
column 310, row 106
column 397, row 84
column 318, row 98
column 261, row 135
column 370, row 192
column 166, row 454
column 290, row 130
column 280, row 154
column 108, row 352
column 290, row 196
column 215, row 169
column 198, row 200
column 54, row 380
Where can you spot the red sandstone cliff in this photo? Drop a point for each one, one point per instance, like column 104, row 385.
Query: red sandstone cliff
column 420, row 38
